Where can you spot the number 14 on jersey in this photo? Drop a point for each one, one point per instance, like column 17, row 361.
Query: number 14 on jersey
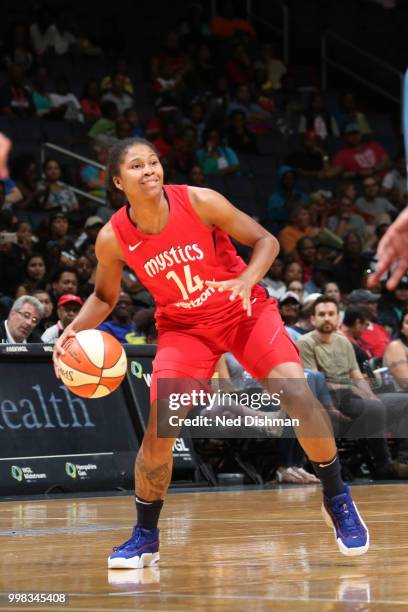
column 191, row 284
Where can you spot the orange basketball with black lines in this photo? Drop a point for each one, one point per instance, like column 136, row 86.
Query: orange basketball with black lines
column 94, row 364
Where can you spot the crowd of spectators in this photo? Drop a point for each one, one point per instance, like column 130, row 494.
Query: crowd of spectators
column 219, row 98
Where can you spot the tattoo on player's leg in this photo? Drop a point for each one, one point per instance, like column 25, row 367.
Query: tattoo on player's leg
column 152, row 483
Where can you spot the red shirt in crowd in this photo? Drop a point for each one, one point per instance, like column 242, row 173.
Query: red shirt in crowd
column 377, row 338
column 358, row 159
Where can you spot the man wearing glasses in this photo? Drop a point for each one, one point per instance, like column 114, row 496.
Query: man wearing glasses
column 23, row 318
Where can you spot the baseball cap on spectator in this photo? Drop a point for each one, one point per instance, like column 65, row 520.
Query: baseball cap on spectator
column 363, row 296
column 289, row 295
column 351, row 128
column 93, row 222
column 69, row 298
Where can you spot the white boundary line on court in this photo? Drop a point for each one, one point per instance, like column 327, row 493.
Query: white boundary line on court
column 54, row 456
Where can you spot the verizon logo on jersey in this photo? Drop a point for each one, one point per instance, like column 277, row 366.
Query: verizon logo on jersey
column 175, row 255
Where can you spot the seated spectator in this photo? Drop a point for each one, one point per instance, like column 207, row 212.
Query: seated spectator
column 317, row 119
column 358, row 159
column 319, row 206
column 351, row 265
column 132, row 116
column 15, row 97
column 257, row 119
column 299, row 227
column 239, row 67
column 287, row 197
column 25, row 173
column 23, row 318
column 274, row 68
column 59, row 248
column 54, row 195
column 64, row 280
column 239, row 136
column 312, row 159
column 204, row 72
column 185, row 150
column 345, row 220
column 123, row 129
column 92, row 226
column 35, row 276
column 68, row 306
column 196, row 177
column 19, row 51
column 106, row 124
column 118, row 94
column 171, row 57
column 41, row 97
column 86, row 273
column 322, row 273
column 121, row 68
column 394, row 183
column 45, row 298
column 64, row 103
column 273, row 280
column 293, row 270
column 167, row 90
column 94, row 178
column 375, row 208
column 327, row 351
column 196, row 118
column 289, row 308
column 355, row 321
column 91, row 101
column 120, row 324
column 216, row 158
column 374, row 336
column 348, row 113
column 392, row 305
column 332, row 290
column 296, row 286
column 396, row 354
column 307, row 256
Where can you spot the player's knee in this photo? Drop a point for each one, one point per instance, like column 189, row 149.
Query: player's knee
column 155, row 448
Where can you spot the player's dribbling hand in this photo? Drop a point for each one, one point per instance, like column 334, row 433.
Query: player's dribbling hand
column 59, row 348
column 238, row 288
column 392, row 253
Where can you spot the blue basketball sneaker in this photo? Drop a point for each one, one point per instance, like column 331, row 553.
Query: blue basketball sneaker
column 351, row 533
column 141, row 550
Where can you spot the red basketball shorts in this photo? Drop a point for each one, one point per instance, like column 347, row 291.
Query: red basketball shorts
column 259, row 342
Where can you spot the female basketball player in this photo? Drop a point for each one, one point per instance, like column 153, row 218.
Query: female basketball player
column 175, row 237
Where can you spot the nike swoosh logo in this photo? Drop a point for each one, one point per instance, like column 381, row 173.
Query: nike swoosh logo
column 132, row 247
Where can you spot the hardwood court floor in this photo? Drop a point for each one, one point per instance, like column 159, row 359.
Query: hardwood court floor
column 227, row 550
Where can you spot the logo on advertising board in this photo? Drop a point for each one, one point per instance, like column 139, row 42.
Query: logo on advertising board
column 136, row 369
column 79, row 470
column 26, row 473
column 70, row 469
column 17, row 473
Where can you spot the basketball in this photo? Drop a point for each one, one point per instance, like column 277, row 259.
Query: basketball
column 94, row 364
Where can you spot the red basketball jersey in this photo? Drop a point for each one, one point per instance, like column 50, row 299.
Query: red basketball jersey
column 174, row 264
